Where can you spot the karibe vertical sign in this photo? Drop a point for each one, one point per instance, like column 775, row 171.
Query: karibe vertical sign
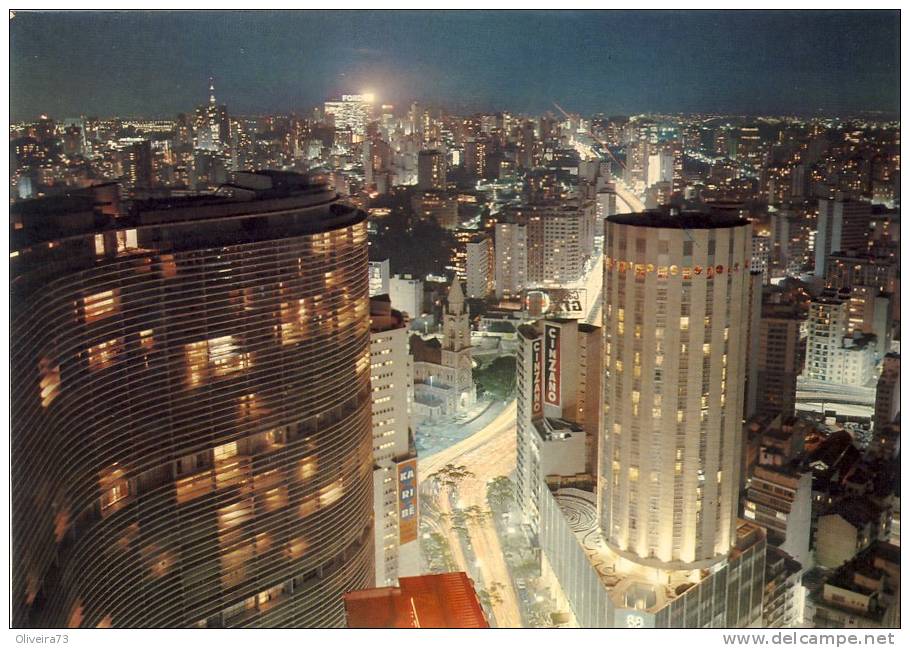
column 551, row 362
column 537, row 377
column 407, row 501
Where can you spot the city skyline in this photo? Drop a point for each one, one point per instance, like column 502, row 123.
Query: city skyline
column 455, row 320
column 611, row 62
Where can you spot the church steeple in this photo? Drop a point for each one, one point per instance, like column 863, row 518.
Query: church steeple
column 455, row 302
column 455, row 326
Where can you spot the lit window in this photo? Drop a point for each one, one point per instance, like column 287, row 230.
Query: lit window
column 126, row 240
column 684, row 323
column 308, row 467
column 331, row 493
column 225, row 451
column 101, row 305
column 220, row 356
column 103, row 355
column 114, row 487
column 168, row 266
column 50, row 381
column 225, row 357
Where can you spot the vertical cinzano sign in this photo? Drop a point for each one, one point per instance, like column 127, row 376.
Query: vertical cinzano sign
column 551, row 361
column 537, row 377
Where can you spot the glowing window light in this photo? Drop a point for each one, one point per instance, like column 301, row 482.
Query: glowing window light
column 49, row 383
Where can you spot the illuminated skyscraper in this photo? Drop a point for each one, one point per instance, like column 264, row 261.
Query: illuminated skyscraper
column 137, row 164
column 655, row 542
column 479, row 261
column 676, row 302
column 213, row 128
column 511, row 271
column 560, row 240
column 431, row 170
column 190, row 438
column 395, row 461
column 352, row 113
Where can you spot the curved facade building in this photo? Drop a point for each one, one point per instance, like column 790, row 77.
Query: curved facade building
column 191, row 440
column 676, row 308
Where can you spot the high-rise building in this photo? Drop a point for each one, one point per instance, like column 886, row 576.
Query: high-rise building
column 657, row 543
column 843, row 226
column 779, row 359
column 479, row 267
column 406, row 293
column 748, row 145
column 379, row 277
column 211, row 124
column 437, row 206
column 511, row 271
column 394, row 458
column 137, row 164
column 659, row 167
column 832, row 354
column 558, row 376
column 190, row 426
column 676, row 303
column 352, row 113
column 869, row 312
column 560, row 240
column 476, row 152
column 849, row 270
column 877, row 277
column 431, row 170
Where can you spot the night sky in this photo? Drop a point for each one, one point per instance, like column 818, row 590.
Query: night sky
column 158, row 64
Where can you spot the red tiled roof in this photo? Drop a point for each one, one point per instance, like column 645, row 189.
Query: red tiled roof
column 432, row 601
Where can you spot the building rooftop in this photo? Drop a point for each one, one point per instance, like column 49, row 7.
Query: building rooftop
column 382, row 316
column 248, row 193
column 671, row 219
column 858, row 511
column 431, row 601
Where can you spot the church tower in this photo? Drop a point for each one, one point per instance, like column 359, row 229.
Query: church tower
column 455, row 327
column 456, row 346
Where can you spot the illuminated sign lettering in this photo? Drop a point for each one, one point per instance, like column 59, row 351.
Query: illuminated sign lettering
column 407, row 501
column 551, row 361
column 537, row 377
